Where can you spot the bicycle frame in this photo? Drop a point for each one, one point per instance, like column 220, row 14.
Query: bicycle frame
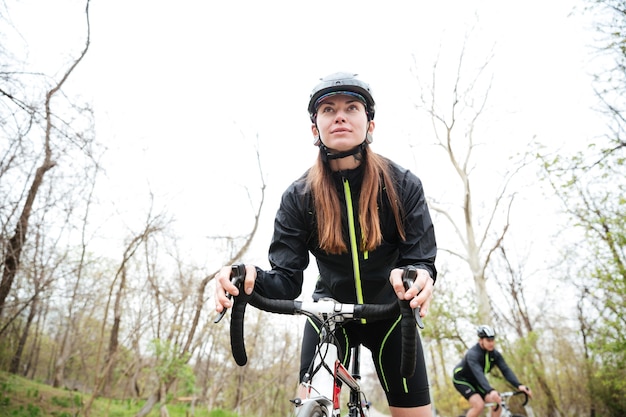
column 329, row 387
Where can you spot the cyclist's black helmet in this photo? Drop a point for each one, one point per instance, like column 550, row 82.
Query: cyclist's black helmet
column 342, row 82
column 485, row 331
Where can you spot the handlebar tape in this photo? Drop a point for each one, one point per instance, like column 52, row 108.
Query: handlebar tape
column 236, row 329
column 409, row 340
column 525, row 396
column 376, row 311
column 289, row 307
column 237, row 343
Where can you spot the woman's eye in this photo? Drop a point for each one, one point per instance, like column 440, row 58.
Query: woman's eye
column 327, row 109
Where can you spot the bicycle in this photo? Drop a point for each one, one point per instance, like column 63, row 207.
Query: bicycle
column 506, row 407
column 327, row 375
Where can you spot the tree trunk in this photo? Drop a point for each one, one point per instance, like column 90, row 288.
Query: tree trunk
column 113, row 340
column 64, row 354
column 150, row 403
column 163, row 409
column 11, row 262
column 17, row 357
column 34, row 361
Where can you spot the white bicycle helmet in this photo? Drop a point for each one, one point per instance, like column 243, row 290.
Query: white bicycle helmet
column 485, row 331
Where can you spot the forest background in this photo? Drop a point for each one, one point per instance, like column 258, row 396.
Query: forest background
column 146, row 144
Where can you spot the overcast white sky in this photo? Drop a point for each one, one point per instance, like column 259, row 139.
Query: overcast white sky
column 184, row 89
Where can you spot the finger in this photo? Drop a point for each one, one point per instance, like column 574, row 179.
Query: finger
column 424, row 307
column 220, row 299
column 413, row 290
column 395, row 278
column 422, row 294
column 421, row 283
column 422, row 300
column 223, row 286
column 415, row 287
column 248, row 283
column 223, row 281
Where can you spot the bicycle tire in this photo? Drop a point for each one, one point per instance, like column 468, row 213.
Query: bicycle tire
column 311, row 409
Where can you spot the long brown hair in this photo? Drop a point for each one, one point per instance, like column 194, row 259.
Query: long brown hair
column 376, row 178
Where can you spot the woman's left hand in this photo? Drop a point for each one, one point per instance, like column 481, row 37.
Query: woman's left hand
column 419, row 294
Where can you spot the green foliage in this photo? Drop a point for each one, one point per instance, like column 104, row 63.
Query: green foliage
column 173, row 366
column 607, row 335
column 591, row 183
column 33, row 410
column 20, row 397
column 218, row 412
column 449, row 401
column 609, row 379
column 67, row 402
column 5, row 391
column 597, row 211
column 609, row 385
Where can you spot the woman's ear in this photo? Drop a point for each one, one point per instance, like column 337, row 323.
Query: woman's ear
column 316, row 135
column 369, row 137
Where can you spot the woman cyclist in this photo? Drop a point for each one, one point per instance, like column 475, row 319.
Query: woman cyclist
column 364, row 218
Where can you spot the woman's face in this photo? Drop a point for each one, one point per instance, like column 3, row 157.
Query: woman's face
column 342, row 123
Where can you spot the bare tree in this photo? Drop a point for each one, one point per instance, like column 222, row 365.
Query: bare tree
column 13, row 251
column 183, row 337
column 455, row 102
column 17, row 357
column 455, row 123
column 117, row 293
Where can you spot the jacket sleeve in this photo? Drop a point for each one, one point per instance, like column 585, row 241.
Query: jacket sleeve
column 288, row 252
column 475, row 364
column 507, row 373
column 420, row 247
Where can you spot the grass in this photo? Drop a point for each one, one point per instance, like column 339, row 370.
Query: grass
column 21, row 397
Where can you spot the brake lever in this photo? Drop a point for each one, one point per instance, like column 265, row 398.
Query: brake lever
column 408, row 277
column 237, row 276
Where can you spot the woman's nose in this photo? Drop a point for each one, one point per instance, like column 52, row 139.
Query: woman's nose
column 340, row 117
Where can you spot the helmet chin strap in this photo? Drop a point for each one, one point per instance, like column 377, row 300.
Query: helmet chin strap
column 357, row 151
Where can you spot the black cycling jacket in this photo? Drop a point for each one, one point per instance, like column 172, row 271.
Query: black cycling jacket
column 478, row 362
column 365, row 277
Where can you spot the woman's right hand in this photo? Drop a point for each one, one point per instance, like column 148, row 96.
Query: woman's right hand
column 223, row 286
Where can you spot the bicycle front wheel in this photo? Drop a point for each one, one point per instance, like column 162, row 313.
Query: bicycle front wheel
column 312, row 409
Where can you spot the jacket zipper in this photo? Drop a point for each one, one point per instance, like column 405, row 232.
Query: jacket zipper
column 353, row 243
